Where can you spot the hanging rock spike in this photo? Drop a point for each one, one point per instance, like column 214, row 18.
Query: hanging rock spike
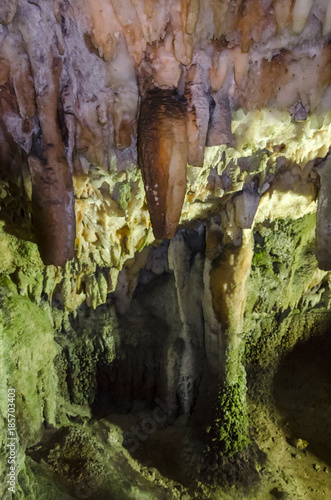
column 162, row 156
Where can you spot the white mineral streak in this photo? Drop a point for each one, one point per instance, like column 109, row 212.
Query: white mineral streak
column 327, row 20
column 301, row 12
column 187, row 277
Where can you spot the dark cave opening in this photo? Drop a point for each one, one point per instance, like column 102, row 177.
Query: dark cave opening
column 302, row 388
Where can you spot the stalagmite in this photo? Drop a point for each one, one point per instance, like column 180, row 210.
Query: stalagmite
column 218, row 62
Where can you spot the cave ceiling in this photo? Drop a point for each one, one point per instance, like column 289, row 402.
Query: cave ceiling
column 97, row 96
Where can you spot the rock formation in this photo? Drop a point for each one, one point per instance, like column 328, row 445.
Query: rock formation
column 164, row 211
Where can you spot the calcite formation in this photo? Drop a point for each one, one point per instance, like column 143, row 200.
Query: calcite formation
column 75, row 78
column 163, row 157
column 164, row 206
column 323, row 229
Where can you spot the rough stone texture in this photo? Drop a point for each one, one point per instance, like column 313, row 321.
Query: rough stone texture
column 138, row 351
column 7, row 11
column 73, row 77
column 164, row 347
column 323, row 228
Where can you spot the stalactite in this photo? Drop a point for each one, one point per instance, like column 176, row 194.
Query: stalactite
column 219, row 130
column 79, row 93
column 162, row 147
column 53, row 207
column 197, row 93
column 53, row 202
column 106, row 108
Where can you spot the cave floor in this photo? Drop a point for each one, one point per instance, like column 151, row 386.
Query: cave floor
column 289, row 473
column 292, row 428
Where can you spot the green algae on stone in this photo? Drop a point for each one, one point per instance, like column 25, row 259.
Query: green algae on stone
column 229, row 433
column 284, row 281
column 283, row 264
column 122, row 194
column 86, row 351
column 21, row 260
column 77, row 282
column 27, row 367
column 89, row 459
column 30, row 351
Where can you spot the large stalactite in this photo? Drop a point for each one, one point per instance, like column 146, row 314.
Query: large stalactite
column 162, row 147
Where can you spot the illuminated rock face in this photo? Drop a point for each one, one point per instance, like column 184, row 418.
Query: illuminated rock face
column 323, row 229
column 74, row 79
column 123, row 122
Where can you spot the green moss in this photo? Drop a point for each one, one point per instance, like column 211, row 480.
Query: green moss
column 282, row 265
column 122, row 194
column 229, row 433
column 260, row 259
column 87, row 350
column 30, row 349
column 27, row 353
column 21, row 261
column 279, row 287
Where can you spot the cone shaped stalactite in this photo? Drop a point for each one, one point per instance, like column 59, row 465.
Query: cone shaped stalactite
column 53, row 201
column 53, row 208
column 162, row 147
column 219, row 131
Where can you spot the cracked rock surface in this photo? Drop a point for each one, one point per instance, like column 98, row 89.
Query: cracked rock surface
column 164, row 247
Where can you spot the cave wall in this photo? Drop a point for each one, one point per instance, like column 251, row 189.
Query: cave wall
column 164, row 202
column 166, row 342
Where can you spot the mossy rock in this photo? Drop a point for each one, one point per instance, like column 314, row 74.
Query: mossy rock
column 229, row 434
